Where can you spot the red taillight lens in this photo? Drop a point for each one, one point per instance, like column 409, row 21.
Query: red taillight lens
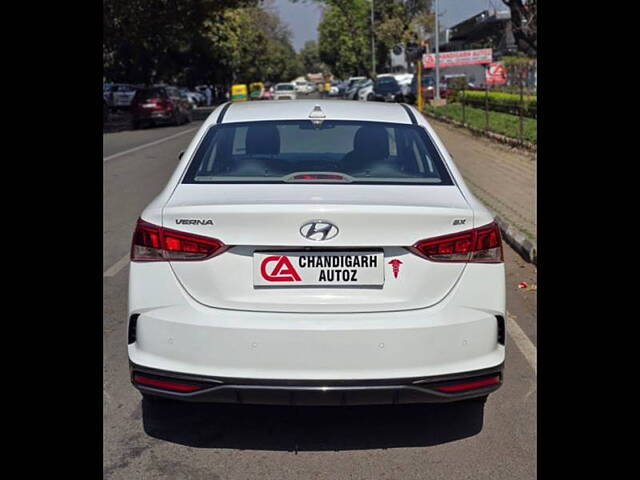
column 165, row 384
column 482, row 245
column 152, row 243
column 469, row 385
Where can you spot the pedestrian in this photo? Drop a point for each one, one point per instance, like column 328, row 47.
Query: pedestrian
column 207, row 94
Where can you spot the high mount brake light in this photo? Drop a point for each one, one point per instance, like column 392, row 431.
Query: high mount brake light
column 152, row 243
column 479, row 245
column 318, row 176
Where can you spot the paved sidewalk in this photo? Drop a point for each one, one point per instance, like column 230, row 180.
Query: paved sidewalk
column 504, row 180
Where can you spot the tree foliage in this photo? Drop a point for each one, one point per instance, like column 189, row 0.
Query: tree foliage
column 195, row 41
column 310, row 58
column 345, row 31
column 342, row 35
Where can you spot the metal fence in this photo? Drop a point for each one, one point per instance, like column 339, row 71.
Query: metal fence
column 516, row 98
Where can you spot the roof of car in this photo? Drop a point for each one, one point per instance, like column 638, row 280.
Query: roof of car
column 300, row 110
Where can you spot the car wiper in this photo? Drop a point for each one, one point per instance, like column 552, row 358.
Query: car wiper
column 317, row 177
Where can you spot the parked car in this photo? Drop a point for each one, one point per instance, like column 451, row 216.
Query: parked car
column 349, row 92
column 431, row 89
column 304, row 87
column 285, row 91
column 352, row 92
column 334, row 91
column 164, row 104
column 194, row 97
column 388, row 89
column 342, row 88
column 427, row 81
column 120, row 95
column 365, row 92
column 350, row 265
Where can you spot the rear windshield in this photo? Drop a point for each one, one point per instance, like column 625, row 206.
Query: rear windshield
column 284, row 87
column 147, row 93
column 293, row 150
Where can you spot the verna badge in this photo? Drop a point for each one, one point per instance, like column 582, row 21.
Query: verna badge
column 318, row 230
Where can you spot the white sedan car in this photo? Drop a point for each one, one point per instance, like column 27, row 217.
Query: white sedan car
column 285, row 91
column 321, row 252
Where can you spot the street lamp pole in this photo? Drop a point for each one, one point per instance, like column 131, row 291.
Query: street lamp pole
column 373, row 47
column 437, row 92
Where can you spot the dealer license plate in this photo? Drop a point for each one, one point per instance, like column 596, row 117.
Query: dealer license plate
column 301, row 269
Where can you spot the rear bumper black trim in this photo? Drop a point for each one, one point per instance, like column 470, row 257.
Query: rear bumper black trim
column 319, row 392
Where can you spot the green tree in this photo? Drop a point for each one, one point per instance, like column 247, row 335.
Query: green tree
column 345, row 31
column 260, row 47
column 147, row 41
column 310, row 58
column 344, row 43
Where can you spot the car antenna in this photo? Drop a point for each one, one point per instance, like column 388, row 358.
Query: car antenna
column 317, row 116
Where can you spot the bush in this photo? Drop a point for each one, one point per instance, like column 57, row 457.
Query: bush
column 502, row 123
column 499, row 101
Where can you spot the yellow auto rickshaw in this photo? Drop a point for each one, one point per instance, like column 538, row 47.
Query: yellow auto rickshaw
column 239, row 93
column 256, row 89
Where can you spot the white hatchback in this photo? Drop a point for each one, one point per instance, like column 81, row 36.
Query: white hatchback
column 320, row 252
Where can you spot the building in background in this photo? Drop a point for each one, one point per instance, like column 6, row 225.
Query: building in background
column 487, row 29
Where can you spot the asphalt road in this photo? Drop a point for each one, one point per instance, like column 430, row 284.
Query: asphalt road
column 190, row 441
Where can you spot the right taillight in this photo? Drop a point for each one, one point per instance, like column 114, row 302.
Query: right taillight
column 482, row 245
column 152, row 243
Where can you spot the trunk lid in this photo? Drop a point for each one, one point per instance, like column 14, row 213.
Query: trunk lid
column 269, row 217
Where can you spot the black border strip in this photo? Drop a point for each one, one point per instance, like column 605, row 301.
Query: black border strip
column 224, row 110
column 410, row 113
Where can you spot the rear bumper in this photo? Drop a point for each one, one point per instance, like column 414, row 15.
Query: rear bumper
column 156, row 116
column 325, row 392
column 460, row 334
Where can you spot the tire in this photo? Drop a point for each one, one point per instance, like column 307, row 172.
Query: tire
column 370, row 97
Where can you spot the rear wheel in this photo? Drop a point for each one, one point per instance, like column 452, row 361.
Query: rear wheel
column 370, row 97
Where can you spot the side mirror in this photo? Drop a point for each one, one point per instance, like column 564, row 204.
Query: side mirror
column 180, row 155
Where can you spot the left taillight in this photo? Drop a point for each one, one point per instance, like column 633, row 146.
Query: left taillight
column 478, row 245
column 152, row 243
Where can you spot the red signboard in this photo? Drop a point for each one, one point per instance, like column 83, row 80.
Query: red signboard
column 463, row 57
column 496, row 74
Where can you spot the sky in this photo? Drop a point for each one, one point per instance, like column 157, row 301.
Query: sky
column 303, row 17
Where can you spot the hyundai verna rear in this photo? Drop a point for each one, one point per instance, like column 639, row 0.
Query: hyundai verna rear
column 316, row 252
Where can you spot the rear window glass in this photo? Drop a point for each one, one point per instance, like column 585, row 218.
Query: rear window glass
column 290, row 151
column 386, row 80
column 284, row 87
